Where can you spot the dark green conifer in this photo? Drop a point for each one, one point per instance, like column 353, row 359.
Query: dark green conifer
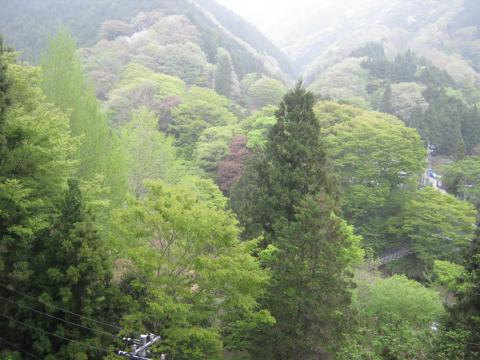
column 471, row 128
column 460, row 339
column 288, row 194
column 293, row 165
column 223, row 77
column 73, row 271
column 386, row 103
column 4, row 102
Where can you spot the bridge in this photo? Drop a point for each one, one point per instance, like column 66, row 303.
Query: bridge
column 387, row 257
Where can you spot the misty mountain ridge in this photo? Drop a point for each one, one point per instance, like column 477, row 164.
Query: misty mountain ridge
column 445, row 32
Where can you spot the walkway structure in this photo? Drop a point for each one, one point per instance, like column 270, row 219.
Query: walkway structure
column 388, row 257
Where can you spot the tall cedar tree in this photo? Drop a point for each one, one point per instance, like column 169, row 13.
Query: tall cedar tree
column 223, row 75
column 73, row 273
column 386, row 103
column 293, row 165
column 288, row 195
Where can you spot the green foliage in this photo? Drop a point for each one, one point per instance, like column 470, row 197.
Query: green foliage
column 190, row 277
column 139, row 86
column 200, row 109
column 212, row 146
column 292, row 165
column 149, row 153
column 185, row 61
column 265, row 91
column 49, row 245
column 452, row 345
column 4, row 101
column 374, row 154
column 427, row 99
column 408, row 103
column 73, row 273
column 180, row 269
column 287, row 193
column 65, row 86
column 205, row 190
column 460, row 179
column 257, row 126
column 394, row 318
column 398, row 298
column 447, row 274
column 247, row 32
column 345, row 81
column 225, row 79
column 310, row 291
column 438, row 225
column 91, row 20
column 371, row 50
column 386, row 103
column 33, row 170
column 379, row 161
column 460, row 335
column 331, row 113
column 450, row 124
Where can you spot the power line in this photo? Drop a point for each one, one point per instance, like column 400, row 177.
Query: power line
column 60, row 319
column 55, row 335
column 59, row 308
column 20, row 349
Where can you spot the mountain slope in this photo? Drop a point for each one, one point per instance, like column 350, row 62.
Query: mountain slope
column 26, row 24
column 445, row 32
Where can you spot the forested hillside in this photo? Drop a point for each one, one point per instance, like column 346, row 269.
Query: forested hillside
column 27, row 25
column 165, row 187
column 442, row 31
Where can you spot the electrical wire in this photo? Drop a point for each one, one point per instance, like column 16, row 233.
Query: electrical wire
column 59, row 308
column 20, row 349
column 60, row 319
column 55, row 335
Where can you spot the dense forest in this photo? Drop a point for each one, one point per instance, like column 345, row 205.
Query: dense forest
column 164, row 178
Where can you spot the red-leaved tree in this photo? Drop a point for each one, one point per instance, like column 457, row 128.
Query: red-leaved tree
column 231, row 167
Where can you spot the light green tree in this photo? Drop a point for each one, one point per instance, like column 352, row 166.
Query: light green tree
column 34, row 169
column 446, row 276
column 150, row 154
column 139, row 86
column 394, row 319
column 265, row 91
column 379, row 161
column 257, row 126
column 200, row 109
column 212, row 147
column 191, row 279
column 438, row 225
column 65, row 85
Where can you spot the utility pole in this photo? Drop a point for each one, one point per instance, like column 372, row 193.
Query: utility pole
column 139, row 347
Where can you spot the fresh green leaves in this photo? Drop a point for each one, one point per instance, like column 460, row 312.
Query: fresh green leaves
column 438, row 225
column 188, row 270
